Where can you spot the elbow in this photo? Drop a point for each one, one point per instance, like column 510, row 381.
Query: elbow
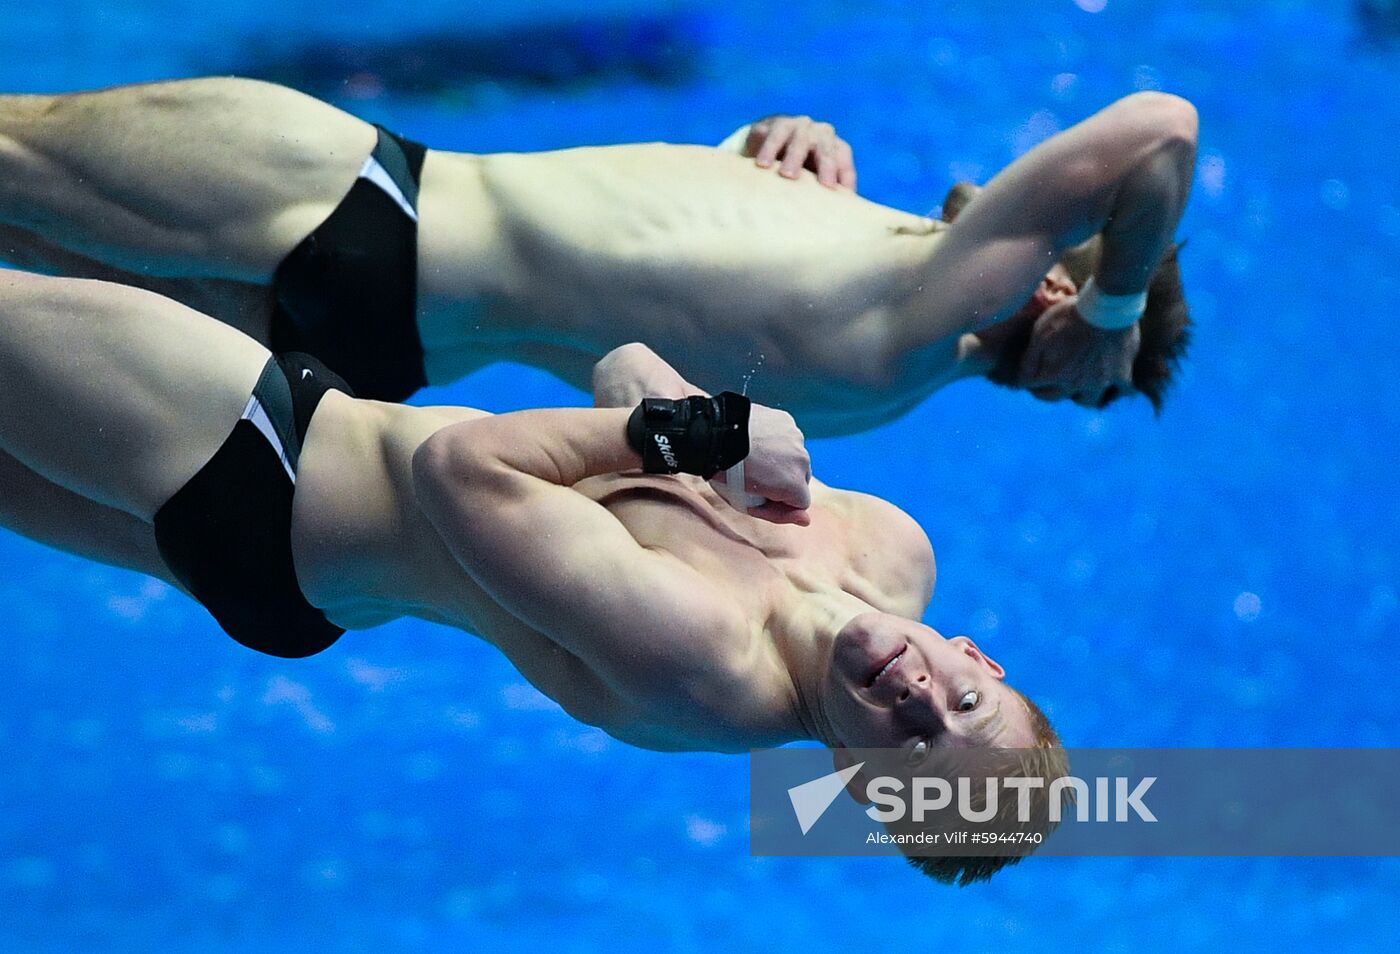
column 1184, row 118
column 442, row 465
column 432, row 464
column 1145, row 129
column 632, row 353
column 460, row 472
column 1166, row 119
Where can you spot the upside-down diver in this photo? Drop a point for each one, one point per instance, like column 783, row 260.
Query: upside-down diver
column 398, row 265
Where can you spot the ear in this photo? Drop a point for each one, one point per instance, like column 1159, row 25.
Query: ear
column 841, row 759
column 987, row 662
column 957, row 198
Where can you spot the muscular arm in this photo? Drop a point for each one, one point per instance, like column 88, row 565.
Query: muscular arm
column 1124, row 172
column 633, row 371
column 500, row 492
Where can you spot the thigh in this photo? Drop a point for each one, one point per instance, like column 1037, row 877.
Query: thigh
column 55, row 516
column 113, row 392
column 216, row 177
column 243, row 305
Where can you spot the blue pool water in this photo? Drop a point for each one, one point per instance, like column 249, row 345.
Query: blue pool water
column 1226, row 575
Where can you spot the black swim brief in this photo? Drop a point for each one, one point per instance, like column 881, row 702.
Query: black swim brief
column 227, row 534
column 348, row 292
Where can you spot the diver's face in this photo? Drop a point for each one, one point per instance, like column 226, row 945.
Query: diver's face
column 1056, row 346
column 894, row 683
column 1055, row 287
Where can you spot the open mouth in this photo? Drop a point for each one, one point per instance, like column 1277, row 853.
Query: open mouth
column 885, row 666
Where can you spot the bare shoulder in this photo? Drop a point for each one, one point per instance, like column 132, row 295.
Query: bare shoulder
column 890, row 553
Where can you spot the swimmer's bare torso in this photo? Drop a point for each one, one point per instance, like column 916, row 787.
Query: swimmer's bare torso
column 728, row 266
column 713, row 679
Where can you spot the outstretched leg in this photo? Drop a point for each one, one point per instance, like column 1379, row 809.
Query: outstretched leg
column 209, row 178
column 47, row 513
column 115, row 393
column 244, row 305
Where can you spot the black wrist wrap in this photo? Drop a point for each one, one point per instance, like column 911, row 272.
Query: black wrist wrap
column 697, row 435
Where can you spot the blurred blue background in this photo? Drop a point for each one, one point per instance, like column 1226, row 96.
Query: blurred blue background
column 1226, row 575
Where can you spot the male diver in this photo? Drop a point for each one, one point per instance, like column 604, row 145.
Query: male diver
column 398, row 265
column 584, row 543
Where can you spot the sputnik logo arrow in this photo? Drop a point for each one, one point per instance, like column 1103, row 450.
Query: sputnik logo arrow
column 810, row 800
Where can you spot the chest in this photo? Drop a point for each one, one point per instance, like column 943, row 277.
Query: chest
column 856, row 544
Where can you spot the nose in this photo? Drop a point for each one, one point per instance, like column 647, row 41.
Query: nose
column 1057, row 289
column 916, row 692
column 917, row 708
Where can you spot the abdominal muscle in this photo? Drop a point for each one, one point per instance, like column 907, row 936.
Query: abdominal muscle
column 719, row 265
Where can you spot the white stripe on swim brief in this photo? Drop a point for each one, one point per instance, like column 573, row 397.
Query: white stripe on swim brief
column 255, row 413
column 377, row 174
